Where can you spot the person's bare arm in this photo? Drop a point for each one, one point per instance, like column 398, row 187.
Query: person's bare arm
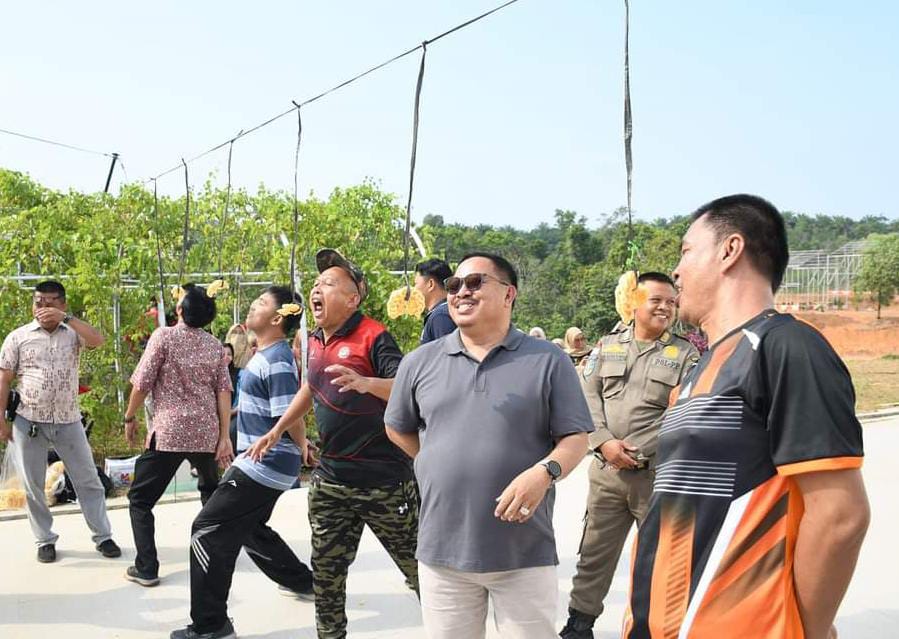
column 297, row 432
column 409, row 443
column 299, row 406
column 224, row 451
column 135, row 401
column 528, row 488
column 6, row 377
column 830, row 536
column 91, row 336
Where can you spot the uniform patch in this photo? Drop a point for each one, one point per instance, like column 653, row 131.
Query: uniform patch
column 590, row 367
column 667, row 363
column 670, row 352
column 613, row 348
column 344, row 352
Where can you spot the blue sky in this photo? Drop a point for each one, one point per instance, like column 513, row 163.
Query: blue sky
column 521, row 113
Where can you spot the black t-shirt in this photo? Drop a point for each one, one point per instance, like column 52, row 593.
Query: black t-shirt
column 355, row 450
column 715, row 552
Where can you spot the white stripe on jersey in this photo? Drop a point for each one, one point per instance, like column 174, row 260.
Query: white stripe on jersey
column 734, row 514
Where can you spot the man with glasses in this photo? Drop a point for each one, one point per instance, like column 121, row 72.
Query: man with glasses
column 493, row 418
column 44, row 356
column 362, row 478
column 627, row 380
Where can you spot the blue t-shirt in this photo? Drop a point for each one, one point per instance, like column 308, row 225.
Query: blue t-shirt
column 267, row 386
column 437, row 323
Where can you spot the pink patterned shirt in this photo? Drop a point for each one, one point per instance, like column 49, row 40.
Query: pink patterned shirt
column 46, row 365
column 183, row 369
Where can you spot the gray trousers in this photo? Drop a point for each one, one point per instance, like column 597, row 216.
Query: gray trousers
column 30, row 455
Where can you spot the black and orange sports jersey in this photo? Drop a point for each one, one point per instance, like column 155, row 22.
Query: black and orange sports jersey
column 355, row 450
column 714, row 556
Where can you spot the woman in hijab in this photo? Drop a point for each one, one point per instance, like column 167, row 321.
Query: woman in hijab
column 575, row 344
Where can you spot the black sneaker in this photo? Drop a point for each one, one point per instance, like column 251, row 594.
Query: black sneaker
column 132, row 574
column 46, row 554
column 109, row 549
column 225, row 632
column 579, row 625
column 304, row 594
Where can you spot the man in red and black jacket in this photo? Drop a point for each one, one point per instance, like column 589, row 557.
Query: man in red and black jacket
column 362, row 478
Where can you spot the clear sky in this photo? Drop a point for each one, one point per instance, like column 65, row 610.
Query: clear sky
column 521, row 113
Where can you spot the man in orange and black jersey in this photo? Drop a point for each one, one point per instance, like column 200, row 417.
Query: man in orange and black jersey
column 758, row 509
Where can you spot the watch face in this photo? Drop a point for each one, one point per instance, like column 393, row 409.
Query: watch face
column 554, row 469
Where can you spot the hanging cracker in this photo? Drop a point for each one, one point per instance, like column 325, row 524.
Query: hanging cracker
column 177, row 293
column 405, row 301
column 629, row 296
column 216, row 287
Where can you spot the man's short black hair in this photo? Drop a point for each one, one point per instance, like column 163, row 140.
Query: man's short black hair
column 197, row 308
column 438, row 270
column 501, row 264
column 655, row 276
column 761, row 226
column 52, row 287
column 283, row 296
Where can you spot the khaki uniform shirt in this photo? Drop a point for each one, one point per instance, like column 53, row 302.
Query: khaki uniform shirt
column 46, row 365
column 627, row 389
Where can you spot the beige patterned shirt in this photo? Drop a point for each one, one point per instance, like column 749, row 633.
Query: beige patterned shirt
column 46, row 366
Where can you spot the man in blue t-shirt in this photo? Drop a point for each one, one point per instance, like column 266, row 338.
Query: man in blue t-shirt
column 236, row 514
column 429, row 278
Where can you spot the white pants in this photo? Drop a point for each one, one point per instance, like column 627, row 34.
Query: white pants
column 454, row 602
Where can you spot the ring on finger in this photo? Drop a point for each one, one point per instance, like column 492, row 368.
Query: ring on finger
column 524, row 510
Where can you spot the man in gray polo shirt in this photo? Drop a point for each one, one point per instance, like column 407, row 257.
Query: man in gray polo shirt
column 493, row 418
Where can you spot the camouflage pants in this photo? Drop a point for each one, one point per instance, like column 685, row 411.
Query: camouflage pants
column 337, row 515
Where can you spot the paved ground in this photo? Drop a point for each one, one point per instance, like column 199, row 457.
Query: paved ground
column 84, row 595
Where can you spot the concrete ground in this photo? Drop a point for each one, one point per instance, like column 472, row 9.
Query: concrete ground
column 84, row 595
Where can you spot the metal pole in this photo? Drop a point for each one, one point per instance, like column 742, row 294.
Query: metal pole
column 115, row 157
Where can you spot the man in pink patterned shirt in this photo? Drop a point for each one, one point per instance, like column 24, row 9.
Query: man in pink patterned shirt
column 44, row 356
column 184, row 370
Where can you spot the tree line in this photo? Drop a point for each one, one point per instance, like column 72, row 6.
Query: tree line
column 105, row 248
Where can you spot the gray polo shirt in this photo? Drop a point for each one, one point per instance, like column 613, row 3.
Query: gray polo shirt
column 481, row 424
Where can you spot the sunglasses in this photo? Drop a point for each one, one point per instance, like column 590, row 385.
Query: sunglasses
column 472, row 281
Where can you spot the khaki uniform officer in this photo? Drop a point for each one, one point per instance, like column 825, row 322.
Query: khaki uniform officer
column 627, row 380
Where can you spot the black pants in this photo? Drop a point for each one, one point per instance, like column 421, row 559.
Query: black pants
column 153, row 471
column 236, row 516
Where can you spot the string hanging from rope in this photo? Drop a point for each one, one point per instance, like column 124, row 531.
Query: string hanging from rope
column 186, row 224
column 296, row 285
column 296, row 203
column 406, row 300
column 225, row 208
column 121, row 166
column 161, row 298
column 633, row 250
column 221, row 284
column 629, row 295
column 337, row 87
